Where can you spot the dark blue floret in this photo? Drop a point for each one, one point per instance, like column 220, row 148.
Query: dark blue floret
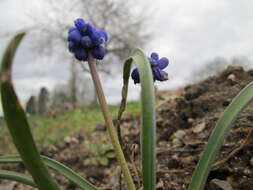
column 81, row 25
column 74, row 36
column 154, row 56
column 153, row 62
column 104, row 34
column 72, row 47
column 135, row 76
column 98, row 52
column 97, row 37
column 72, row 28
column 84, row 38
column 157, row 66
column 86, row 41
column 163, row 62
column 90, row 29
column 158, row 74
column 81, row 54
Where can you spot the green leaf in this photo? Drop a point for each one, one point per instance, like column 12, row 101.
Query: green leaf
column 110, row 155
column 103, row 161
column 218, row 135
column 90, row 161
column 103, row 148
column 62, row 169
column 148, row 131
column 17, row 122
column 14, row 176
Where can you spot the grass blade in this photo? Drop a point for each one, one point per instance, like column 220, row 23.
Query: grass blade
column 218, row 135
column 148, row 131
column 18, row 125
column 62, row 169
column 14, row 176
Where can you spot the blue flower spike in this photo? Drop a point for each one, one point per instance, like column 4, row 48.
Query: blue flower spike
column 157, row 66
column 83, row 38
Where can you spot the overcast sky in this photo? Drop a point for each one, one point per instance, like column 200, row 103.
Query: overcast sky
column 189, row 33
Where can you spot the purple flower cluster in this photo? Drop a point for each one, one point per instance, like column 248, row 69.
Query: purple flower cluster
column 157, row 66
column 84, row 38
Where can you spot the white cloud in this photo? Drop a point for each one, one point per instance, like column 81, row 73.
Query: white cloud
column 189, row 33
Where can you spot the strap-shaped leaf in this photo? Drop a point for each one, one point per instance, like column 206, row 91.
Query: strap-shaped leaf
column 62, row 169
column 218, row 135
column 14, row 176
column 18, row 125
column 148, row 131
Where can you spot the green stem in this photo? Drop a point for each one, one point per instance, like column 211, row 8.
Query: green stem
column 109, row 123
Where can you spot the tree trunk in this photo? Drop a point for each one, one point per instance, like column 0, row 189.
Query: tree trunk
column 72, row 84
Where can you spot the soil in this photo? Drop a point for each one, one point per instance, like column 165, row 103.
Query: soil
column 184, row 124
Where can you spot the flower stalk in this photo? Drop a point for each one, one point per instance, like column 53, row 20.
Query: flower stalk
column 108, row 121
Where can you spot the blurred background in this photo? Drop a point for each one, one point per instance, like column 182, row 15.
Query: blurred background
column 199, row 37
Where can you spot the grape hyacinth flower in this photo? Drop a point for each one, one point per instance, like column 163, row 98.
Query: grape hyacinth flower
column 84, row 38
column 157, row 66
column 86, row 43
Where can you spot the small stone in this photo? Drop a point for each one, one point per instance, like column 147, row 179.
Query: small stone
column 190, row 120
column 217, row 184
column 74, row 140
column 187, row 160
column 198, row 128
column 175, row 157
column 179, row 134
column 246, row 171
column 251, row 161
column 52, row 148
column 67, row 139
column 176, row 142
column 231, row 77
column 162, row 143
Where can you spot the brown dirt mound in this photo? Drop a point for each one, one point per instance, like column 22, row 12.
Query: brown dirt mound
column 184, row 124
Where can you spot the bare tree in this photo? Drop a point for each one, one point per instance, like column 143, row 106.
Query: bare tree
column 72, row 84
column 60, row 97
column 125, row 24
column 218, row 64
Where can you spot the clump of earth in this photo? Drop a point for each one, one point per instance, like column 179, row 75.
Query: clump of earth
column 184, row 124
